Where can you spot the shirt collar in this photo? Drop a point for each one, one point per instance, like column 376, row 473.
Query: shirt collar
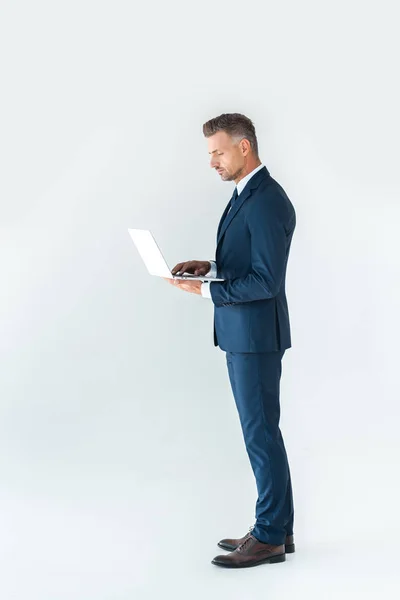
column 243, row 181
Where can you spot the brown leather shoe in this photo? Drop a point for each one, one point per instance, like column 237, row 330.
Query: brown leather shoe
column 251, row 553
column 232, row 544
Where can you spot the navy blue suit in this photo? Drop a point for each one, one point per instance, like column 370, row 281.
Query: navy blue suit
column 251, row 324
column 253, row 242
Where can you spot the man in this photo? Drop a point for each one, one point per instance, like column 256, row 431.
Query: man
column 251, row 324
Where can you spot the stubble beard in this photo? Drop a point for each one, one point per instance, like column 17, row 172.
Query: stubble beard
column 230, row 177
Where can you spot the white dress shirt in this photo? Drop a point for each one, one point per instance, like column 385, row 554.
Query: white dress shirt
column 205, row 286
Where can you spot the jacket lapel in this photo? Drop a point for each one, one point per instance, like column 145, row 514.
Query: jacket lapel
column 246, row 192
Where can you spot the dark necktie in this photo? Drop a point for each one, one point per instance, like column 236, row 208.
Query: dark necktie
column 232, row 203
column 233, row 200
column 234, row 197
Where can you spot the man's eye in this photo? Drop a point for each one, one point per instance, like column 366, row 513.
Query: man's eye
column 220, row 153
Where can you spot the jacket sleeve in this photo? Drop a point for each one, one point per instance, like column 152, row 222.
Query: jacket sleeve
column 267, row 223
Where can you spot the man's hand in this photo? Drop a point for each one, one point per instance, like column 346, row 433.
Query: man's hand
column 186, row 285
column 196, row 267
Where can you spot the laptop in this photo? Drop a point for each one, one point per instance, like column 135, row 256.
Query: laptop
column 155, row 261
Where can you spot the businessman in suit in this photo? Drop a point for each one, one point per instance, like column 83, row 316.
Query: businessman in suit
column 251, row 324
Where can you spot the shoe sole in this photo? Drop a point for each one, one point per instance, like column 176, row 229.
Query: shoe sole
column 289, row 548
column 279, row 558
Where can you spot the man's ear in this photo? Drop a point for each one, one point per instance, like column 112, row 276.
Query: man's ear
column 245, row 146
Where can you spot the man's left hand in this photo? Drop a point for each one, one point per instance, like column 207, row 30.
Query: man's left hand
column 186, row 285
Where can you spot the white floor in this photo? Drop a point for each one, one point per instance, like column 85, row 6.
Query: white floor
column 111, row 538
column 117, row 495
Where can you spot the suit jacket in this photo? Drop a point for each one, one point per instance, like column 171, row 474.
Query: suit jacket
column 253, row 242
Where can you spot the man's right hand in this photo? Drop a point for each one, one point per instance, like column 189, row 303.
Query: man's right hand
column 196, row 267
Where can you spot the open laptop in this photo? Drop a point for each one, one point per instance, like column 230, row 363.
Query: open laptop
column 154, row 260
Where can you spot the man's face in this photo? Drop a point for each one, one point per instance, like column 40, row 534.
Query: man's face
column 226, row 157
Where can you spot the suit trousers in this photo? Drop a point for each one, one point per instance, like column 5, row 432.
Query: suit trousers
column 255, row 382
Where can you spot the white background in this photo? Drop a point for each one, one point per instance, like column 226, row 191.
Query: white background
column 121, row 460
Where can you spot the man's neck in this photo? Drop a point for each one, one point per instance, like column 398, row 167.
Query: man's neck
column 249, row 169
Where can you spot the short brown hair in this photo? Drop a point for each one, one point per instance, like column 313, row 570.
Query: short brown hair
column 234, row 124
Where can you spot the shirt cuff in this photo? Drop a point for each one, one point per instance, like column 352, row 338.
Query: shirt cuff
column 205, row 289
column 213, row 271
